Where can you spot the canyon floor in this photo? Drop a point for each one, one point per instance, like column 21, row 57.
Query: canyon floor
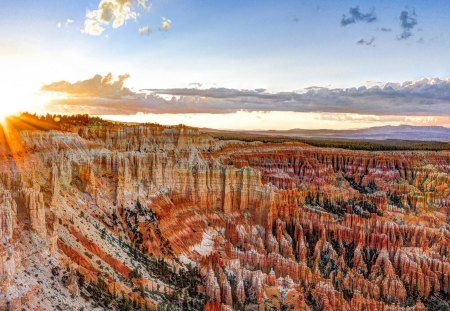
column 109, row 216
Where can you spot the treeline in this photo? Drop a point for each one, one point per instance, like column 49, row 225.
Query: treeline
column 56, row 121
column 369, row 145
column 33, row 121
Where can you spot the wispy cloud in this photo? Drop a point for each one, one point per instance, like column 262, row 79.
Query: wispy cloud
column 104, row 95
column 355, row 15
column 408, row 20
column 66, row 23
column 111, row 12
column 368, row 42
column 145, row 4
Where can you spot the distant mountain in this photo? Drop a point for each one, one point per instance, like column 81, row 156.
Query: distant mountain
column 402, row 132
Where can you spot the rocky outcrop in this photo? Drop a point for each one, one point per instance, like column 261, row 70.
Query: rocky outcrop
column 8, row 213
column 31, row 209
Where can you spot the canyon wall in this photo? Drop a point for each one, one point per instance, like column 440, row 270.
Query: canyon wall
column 140, row 216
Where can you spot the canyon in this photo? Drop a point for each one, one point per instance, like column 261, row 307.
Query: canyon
column 115, row 216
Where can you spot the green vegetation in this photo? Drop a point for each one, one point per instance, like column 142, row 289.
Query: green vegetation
column 327, row 265
column 184, row 283
column 359, row 207
column 370, row 145
column 438, row 301
column 395, row 199
column 28, row 121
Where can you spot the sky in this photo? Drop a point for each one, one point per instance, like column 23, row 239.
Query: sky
column 244, row 64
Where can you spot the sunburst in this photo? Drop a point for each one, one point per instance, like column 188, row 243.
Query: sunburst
column 11, row 127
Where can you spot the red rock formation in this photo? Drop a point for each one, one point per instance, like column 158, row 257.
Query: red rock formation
column 31, row 209
column 134, row 209
column 8, row 212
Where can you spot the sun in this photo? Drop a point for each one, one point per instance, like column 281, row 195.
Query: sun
column 7, row 110
column 14, row 103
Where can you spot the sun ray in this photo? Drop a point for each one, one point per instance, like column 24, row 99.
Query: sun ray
column 12, row 151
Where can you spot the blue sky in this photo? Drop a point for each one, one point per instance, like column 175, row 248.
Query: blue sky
column 274, row 45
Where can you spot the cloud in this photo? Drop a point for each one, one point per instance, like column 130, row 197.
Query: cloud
column 104, row 95
column 166, row 24
column 357, row 16
column 366, row 41
column 423, row 97
column 145, row 4
column 408, row 20
column 66, row 23
column 92, row 27
column 384, row 29
column 145, row 30
column 98, row 86
column 196, row 84
column 111, row 12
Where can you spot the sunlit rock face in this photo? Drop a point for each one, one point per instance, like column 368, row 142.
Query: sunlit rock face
column 140, row 217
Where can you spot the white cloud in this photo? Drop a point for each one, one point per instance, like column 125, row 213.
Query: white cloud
column 144, row 4
column 111, row 12
column 66, row 23
column 92, row 27
column 166, row 24
column 146, row 30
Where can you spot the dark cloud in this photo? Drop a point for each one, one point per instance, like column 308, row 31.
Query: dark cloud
column 419, row 98
column 384, row 29
column 97, row 86
column 355, row 15
column 408, row 20
column 368, row 42
column 219, row 93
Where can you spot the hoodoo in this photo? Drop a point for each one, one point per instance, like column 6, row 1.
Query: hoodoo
column 146, row 216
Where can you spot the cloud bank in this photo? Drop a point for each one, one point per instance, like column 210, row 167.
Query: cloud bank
column 104, row 95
